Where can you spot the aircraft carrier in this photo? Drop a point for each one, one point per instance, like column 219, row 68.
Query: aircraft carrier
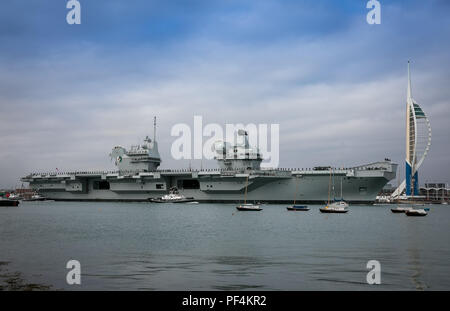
column 138, row 178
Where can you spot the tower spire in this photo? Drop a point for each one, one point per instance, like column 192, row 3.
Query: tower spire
column 409, row 84
column 418, row 142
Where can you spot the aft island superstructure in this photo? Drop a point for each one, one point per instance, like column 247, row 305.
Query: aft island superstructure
column 138, row 178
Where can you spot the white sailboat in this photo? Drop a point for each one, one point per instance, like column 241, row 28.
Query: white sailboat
column 248, row 206
column 412, row 211
column 336, row 206
column 398, row 209
column 339, row 203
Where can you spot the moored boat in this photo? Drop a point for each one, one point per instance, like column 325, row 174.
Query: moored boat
column 399, row 209
column 416, row 212
column 298, row 208
column 331, row 209
column 249, row 207
column 339, row 206
column 294, row 207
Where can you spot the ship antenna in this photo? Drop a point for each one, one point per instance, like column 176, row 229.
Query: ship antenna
column 154, row 128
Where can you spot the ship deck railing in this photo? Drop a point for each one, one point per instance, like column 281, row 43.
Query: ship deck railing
column 268, row 171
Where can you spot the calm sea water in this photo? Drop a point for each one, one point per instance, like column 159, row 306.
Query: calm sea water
column 140, row 246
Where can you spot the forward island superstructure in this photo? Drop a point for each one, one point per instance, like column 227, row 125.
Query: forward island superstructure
column 138, row 178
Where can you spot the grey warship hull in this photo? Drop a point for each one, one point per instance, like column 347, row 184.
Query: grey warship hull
column 359, row 184
column 239, row 177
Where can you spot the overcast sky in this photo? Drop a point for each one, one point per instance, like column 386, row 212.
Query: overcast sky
column 335, row 84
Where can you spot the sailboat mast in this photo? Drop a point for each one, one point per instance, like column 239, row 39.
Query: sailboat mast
column 245, row 195
column 334, row 191
column 329, row 188
column 296, row 189
column 154, row 128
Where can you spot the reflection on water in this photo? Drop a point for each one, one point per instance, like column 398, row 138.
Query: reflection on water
column 415, row 264
column 212, row 247
column 413, row 251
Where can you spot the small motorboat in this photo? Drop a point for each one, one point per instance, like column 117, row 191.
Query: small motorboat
column 399, row 209
column 416, row 212
column 249, row 207
column 298, row 208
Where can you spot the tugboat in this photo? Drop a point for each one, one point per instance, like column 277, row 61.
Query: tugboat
column 173, row 197
column 249, row 207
